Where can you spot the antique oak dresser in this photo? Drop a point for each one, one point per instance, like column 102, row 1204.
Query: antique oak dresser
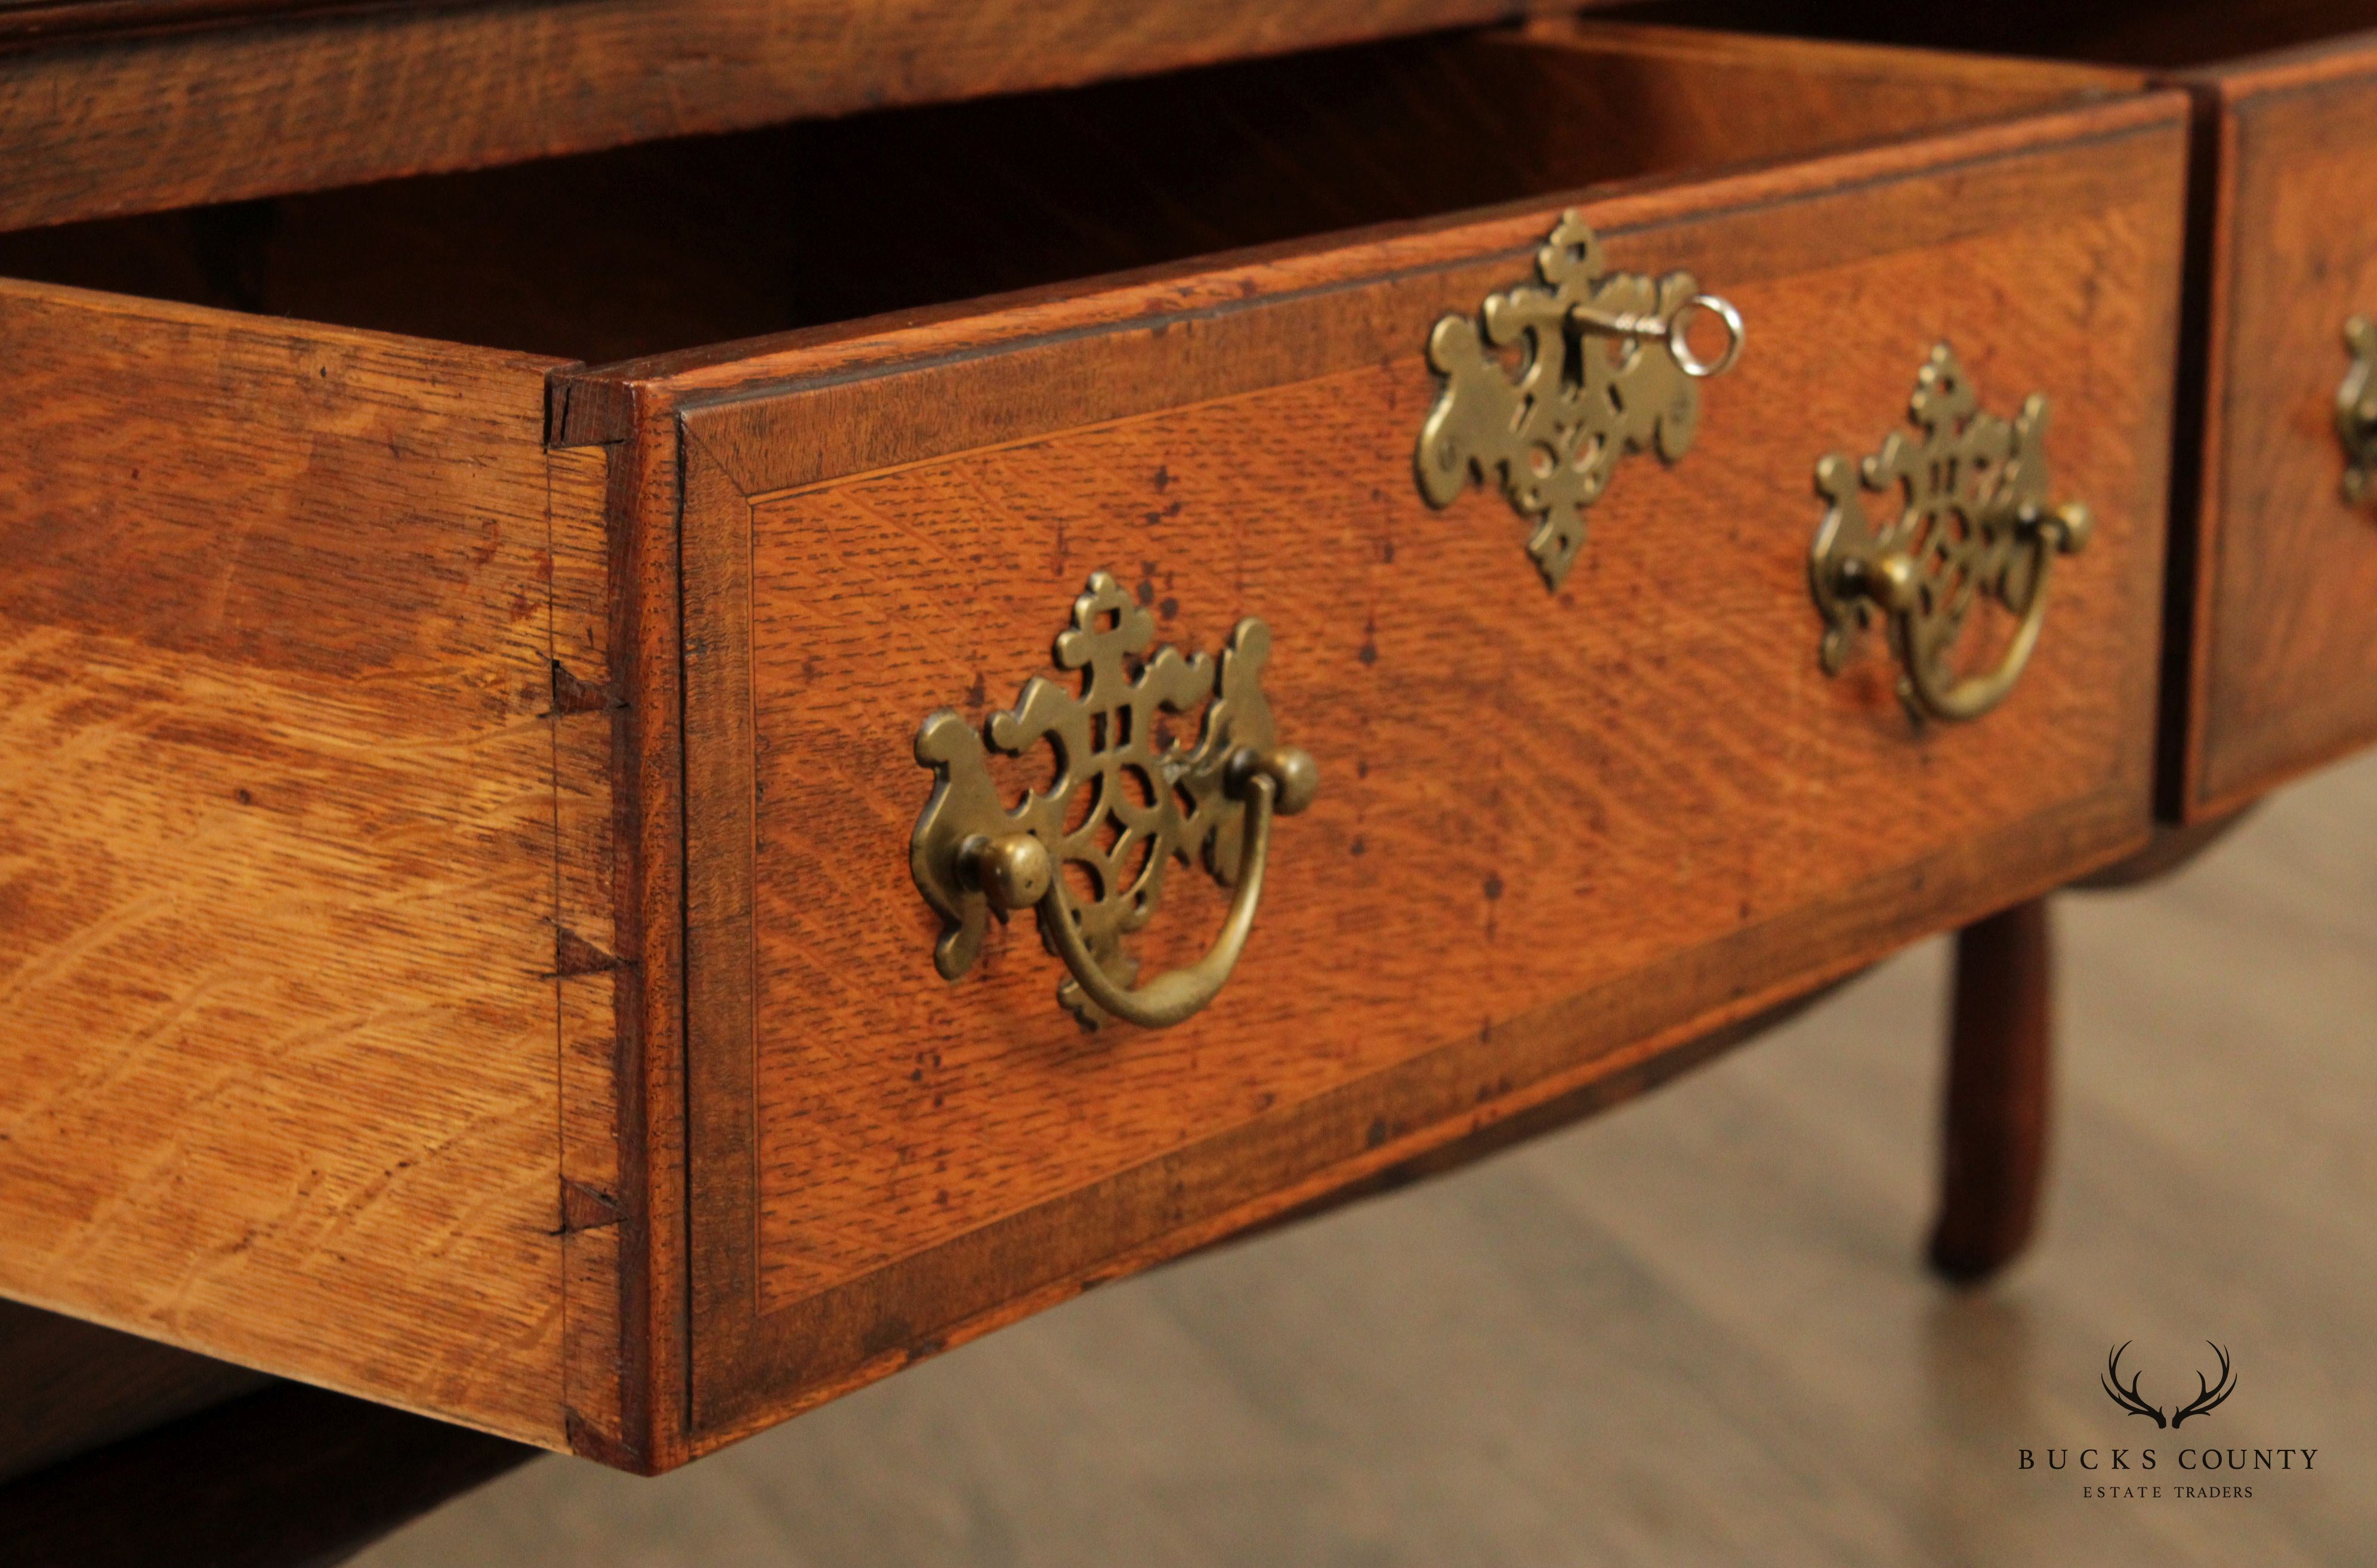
column 696, row 696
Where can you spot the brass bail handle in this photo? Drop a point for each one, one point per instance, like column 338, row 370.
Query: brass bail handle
column 1017, row 872
column 1130, row 803
column 1894, row 583
column 1924, row 576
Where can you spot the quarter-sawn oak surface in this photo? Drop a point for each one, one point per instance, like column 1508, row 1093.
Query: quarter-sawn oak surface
column 277, row 813
column 1538, row 812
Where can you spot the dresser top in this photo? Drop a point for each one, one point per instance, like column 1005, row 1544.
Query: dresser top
column 112, row 106
column 24, row 22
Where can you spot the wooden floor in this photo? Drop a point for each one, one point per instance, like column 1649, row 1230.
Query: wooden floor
column 1693, row 1332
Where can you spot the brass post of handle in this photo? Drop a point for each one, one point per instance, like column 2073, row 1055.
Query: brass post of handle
column 1976, row 523
column 1142, row 803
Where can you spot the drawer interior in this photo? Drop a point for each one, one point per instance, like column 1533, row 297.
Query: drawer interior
column 680, row 244
column 2152, row 34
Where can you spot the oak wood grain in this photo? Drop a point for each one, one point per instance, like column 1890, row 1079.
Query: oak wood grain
column 1547, row 1118
column 277, row 820
column 146, row 123
column 586, row 718
column 1555, row 835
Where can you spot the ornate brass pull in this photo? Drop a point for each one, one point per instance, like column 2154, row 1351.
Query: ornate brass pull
column 2356, row 409
column 1605, row 369
column 1146, row 800
column 1977, row 521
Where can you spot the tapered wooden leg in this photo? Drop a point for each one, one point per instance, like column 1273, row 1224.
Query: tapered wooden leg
column 1995, row 1133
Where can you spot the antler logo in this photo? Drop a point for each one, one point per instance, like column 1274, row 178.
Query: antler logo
column 2127, row 1396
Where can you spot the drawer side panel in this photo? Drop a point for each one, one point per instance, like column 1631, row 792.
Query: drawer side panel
column 277, row 874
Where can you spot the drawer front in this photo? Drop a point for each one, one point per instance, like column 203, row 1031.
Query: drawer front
column 2284, row 669
column 1556, row 831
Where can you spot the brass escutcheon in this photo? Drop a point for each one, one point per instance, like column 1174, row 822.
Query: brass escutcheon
column 1605, row 367
column 1976, row 521
column 2356, row 409
column 1149, row 802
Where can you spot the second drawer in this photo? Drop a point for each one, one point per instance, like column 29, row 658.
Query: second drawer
column 2274, row 657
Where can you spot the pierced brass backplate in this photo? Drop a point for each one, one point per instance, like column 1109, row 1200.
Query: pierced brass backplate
column 1604, row 367
column 1976, row 523
column 1141, row 801
column 2356, row 409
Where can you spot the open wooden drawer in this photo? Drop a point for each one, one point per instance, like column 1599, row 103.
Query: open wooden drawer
column 459, row 925
column 2273, row 662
